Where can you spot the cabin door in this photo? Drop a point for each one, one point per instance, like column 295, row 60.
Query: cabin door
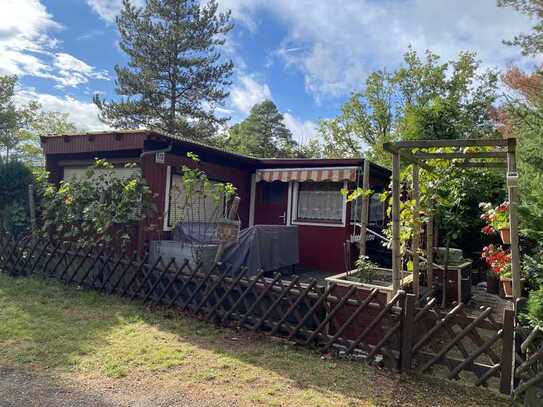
column 271, row 203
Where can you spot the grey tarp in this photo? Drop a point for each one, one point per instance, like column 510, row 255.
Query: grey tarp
column 263, row 247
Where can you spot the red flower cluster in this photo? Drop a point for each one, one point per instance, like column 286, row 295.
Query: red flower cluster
column 495, row 218
column 503, row 207
column 498, row 260
column 488, row 230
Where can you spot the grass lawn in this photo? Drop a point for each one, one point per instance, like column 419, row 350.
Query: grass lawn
column 88, row 341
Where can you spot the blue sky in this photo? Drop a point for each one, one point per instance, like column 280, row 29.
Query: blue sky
column 305, row 55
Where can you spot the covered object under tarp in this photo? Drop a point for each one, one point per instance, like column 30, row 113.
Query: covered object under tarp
column 263, row 247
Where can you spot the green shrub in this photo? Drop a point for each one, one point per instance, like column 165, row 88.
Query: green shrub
column 14, row 180
column 535, row 307
column 98, row 207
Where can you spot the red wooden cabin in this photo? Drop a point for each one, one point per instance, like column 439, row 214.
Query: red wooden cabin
column 303, row 192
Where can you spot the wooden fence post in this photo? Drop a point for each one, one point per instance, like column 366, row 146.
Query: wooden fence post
column 506, row 374
column 430, row 254
column 407, row 332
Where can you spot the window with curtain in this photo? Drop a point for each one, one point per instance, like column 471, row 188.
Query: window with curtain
column 376, row 216
column 377, row 211
column 198, row 208
column 320, row 202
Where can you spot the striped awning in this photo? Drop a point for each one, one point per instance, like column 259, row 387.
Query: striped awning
column 332, row 174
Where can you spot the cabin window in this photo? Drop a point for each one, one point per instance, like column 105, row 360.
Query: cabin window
column 376, row 216
column 79, row 173
column 319, row 202
column 376, row 211
column 200, row 208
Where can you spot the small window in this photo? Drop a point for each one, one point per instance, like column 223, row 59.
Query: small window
column 376, row 210
column 272, row 192
column 320, row 202
column 198, row 208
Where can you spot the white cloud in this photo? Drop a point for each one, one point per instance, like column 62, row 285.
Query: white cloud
column 109, row 9
column 302, row 130
column 83, row 114
column 248, row 92
column 27, row 47
column 23, row 37
column 74, row 72
column 336, row 43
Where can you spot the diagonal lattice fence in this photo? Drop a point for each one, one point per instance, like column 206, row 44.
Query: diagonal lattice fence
column 339, row 318
column 529, row 365
column 456, row 345
column 301, row 312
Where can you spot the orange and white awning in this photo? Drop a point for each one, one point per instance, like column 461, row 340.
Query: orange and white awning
column 333, row 174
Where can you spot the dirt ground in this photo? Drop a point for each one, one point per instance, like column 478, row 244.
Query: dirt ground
column 22, row 388
column 61, row 346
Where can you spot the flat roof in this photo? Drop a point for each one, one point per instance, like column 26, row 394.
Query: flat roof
column 86, row 143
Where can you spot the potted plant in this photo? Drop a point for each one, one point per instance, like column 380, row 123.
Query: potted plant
column 499, row 261
column 497, row 220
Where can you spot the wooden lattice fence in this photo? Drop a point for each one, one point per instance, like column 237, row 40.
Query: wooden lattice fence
column 301, row 312
column 397, row 333
column 529, row 365
column 457, row 345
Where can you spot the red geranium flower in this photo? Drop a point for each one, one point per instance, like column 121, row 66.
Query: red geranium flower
column 487, row 230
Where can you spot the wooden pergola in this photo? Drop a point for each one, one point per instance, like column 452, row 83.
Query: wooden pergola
column 500, row 153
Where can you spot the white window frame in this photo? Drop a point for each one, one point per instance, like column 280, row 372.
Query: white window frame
column 295, row 221
column 169, row 177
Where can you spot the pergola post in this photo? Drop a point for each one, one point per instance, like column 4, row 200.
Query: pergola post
column 512, row 185
column 430, row 252
column 416, row 235
column 396, row 254
column 365, row 209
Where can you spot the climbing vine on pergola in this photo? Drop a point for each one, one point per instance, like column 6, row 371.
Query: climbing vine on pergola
column 422, row 154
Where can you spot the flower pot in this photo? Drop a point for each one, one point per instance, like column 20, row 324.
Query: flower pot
column 506, row 288
column 505, row 234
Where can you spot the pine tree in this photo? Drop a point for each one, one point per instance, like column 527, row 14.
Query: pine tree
column 262, row 134
column 175, row 77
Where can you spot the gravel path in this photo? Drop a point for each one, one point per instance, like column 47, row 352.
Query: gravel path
column 19, row 388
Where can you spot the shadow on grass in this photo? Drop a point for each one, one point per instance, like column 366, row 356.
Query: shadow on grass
column 46, row 324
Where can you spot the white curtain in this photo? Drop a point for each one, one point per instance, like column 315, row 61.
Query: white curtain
column 320, row 201
column 377, row 210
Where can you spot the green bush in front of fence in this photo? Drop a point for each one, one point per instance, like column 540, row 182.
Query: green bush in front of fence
column 14, row 180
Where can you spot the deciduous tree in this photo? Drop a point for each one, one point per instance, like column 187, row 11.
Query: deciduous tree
column 423, row 99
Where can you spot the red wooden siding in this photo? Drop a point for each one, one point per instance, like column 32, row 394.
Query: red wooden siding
column 93, row 143
column 155, row 175
column 321, row 247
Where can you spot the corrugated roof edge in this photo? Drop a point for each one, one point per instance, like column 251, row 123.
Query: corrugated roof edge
column 255, row 160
